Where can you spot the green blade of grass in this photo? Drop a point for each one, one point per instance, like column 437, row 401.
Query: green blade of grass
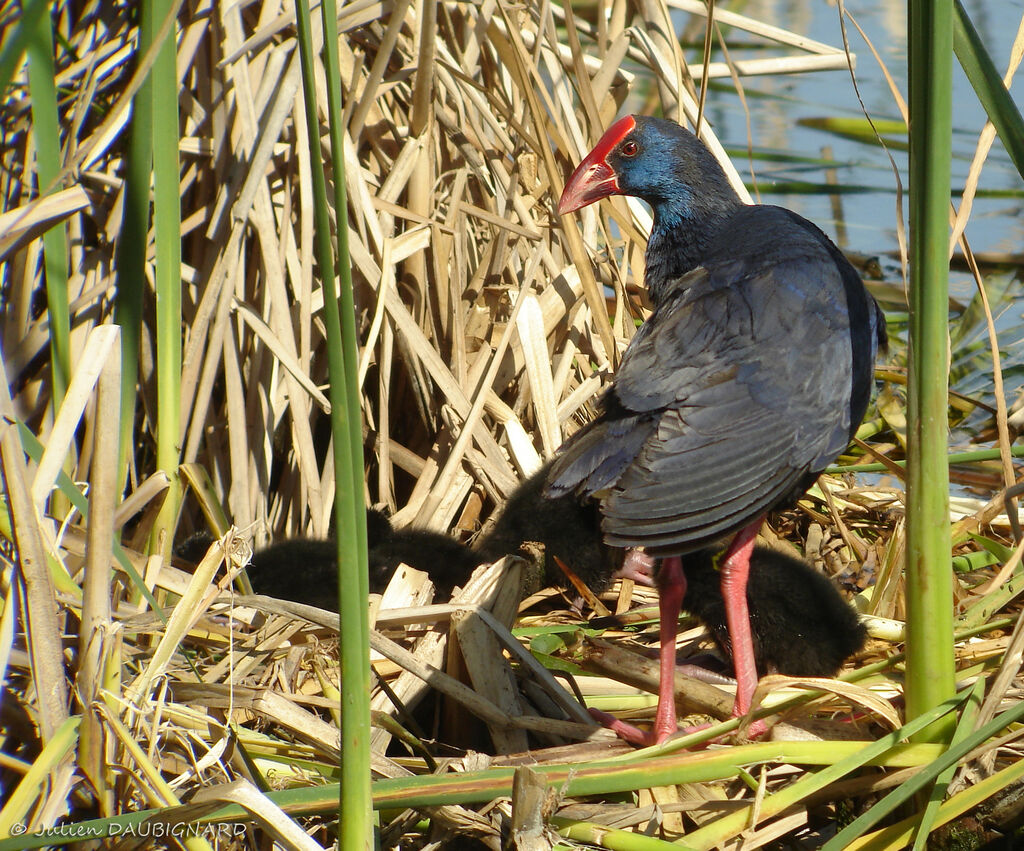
column 46, row 135
column 920, row 780
column 731, row 825
column 896, row 836
column 952, row 458
column 167, row 274
column 988, row 86
column 23, row 797
column 130, row 265
column 942, row 781
column 19, row 38
column 34, row 449
column 617, row 840
column 485, row 785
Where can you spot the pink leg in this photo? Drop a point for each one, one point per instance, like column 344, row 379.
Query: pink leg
column 671, row 590
column 735, row 570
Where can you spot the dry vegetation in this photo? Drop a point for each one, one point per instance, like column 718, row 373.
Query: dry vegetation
column 487, row 326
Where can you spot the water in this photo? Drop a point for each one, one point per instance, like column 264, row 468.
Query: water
column 783, row 110
column 779, row 104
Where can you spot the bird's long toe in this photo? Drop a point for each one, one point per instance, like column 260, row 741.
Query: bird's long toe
column 630, row 733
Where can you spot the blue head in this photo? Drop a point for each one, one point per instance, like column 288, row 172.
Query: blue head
column 669, row 168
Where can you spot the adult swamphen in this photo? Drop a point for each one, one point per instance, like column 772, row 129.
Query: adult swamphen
column 751, row 375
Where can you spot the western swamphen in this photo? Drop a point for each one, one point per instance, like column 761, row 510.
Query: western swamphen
column 751, row 375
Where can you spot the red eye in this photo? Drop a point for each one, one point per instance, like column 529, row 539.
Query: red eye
column 630, row 148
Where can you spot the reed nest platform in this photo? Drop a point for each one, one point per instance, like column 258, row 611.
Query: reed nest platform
column 141, row 692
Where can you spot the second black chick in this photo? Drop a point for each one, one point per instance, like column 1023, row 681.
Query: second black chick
column 800, row 622
column 304, row 570
column 448, row 562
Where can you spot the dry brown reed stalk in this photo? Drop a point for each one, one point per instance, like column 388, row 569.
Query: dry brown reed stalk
column 462, row 120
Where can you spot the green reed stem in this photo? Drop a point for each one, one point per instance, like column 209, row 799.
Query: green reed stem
column 929, row 580
column 355, row 802
column 167, row 274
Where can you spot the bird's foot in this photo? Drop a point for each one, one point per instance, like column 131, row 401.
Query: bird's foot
column 627, row 732
column 704, row 674
column 754, row 729
column 647, row 738
column 638, row 566
column 636, row 736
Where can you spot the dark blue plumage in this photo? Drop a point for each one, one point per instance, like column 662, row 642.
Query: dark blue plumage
column 751, row 375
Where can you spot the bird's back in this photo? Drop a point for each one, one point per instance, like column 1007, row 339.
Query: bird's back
column 746, row 381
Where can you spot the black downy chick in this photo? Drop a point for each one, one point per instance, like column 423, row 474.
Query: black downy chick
column 448, row 562
column 568, row 528
column 304, row 570
column 800, row 622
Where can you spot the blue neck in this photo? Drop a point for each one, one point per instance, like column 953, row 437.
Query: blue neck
column 678, row 243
